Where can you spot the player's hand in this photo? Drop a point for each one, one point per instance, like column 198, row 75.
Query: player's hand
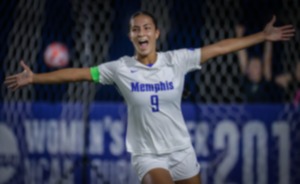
column 282, row 33
column 21, row 79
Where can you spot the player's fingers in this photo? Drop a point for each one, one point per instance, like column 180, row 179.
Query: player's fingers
column 24, row 66
column 9, row 80
column 288, row 35
column 15, row 88
column 11, row 77
column 273, row 20
column 12, row 86
column 286, row 39
column 288, row 31
column 7, row 83
column 288, row 27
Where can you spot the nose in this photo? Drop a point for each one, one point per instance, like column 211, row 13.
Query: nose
column 141, row 32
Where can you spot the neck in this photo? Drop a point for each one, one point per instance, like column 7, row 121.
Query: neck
column 148, row 59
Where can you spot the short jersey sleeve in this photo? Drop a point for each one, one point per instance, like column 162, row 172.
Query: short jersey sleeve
column 187, row 59
column 104, row 73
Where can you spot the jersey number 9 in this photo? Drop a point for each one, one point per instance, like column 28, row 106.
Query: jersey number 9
column 154, row 103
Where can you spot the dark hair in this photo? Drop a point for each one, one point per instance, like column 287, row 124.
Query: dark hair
column 144, row 13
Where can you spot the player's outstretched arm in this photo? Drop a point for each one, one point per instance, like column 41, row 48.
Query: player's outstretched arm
column 27, row 77
column 269, row 33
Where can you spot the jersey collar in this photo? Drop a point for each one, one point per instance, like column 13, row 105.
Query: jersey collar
column 155, row 65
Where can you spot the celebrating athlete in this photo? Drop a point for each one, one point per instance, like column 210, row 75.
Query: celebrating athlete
column 151, row 83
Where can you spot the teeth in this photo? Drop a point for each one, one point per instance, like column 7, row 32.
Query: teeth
column 143, row 40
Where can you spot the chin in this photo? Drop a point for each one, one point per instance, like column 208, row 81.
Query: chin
column 144, row 52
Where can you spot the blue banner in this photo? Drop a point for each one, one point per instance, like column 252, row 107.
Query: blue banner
column 45, row 143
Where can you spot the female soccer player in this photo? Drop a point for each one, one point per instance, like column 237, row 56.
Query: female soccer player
column 152, row 83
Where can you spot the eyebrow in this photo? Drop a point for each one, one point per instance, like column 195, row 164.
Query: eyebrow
column 142, row 25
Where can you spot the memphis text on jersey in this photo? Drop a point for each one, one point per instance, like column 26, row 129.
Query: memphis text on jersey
column 146, row 87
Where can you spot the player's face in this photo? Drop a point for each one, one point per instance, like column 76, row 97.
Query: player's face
column 255, row 70
column 143, row 34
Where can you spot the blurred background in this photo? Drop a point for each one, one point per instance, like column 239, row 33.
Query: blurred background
column 242, row 109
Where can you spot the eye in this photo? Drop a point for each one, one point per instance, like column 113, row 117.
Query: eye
column 134, row 29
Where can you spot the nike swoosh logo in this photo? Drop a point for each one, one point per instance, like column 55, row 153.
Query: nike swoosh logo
column 133, row 71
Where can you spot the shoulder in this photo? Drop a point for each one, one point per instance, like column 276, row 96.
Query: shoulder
column 126, row 61
column 120, row 62
column 184, row 54
column 123, row 60
column 172, row 55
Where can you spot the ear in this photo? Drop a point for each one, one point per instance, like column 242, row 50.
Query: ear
column 157, row 33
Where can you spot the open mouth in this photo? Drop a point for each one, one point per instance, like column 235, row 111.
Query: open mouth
column 143, row 44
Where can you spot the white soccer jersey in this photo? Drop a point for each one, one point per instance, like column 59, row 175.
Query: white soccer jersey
column 153, row 96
